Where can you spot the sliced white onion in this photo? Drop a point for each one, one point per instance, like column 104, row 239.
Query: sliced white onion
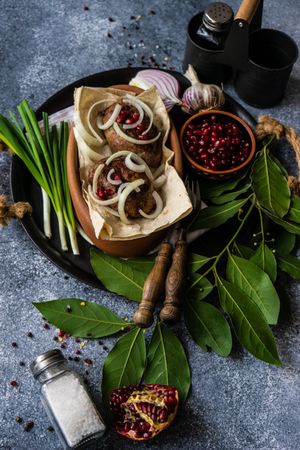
column 110, row 201
column 96, row 176
column 111, row 120
column 159, row 171
column 132, row 166
column 111, row 211
column 157, row 184
column 116, row 155
column 123, row 197
column 132, row 140
column 111, row 180
column 158, row 209
column 146, row 108
column 141, row 162
column 140, row 111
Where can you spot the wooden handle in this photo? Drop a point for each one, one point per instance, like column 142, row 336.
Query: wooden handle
column 247, row 10
column 175, row 283
column 153, row 287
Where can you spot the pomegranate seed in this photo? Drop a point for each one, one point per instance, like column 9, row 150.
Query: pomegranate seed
column 140, row 127
column 101, row 193
column 117, row 176
column 135, row 116
column 143, row 137
column 120, row 118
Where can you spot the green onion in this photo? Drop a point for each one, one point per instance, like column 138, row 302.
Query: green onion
column 45, row 158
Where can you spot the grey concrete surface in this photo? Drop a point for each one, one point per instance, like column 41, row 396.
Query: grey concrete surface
column 235, row 403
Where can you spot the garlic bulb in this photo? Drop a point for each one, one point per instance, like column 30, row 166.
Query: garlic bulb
column 200, row 96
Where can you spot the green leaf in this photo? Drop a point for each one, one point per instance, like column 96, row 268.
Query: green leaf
column 243, row 251
column 125, row 363
column 195, row 262
column 210, row 189
column 249, row 324
column 121, row 276
column 290, row 264
column 201, row 289
column 256, row 284
column 208, row 327
column 291, row 227
column 270, row 185
column 294, row 212
column 265, row 259
column 284, row 242
column 214, row 216
column 167, row 361
column 81, row 318
column 228, row 197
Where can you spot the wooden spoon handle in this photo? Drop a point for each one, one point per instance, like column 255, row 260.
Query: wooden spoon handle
column 175, row 283
column 153, row 287
column 247, row 10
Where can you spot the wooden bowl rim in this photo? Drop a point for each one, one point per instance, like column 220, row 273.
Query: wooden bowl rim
column 224, row 113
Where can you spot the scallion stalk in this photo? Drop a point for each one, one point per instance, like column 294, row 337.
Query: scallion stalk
column 45, row 157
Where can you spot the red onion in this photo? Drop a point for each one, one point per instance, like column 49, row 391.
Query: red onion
column 167, row 85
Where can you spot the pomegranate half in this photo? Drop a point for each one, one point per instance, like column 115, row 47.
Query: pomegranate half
column 143, row 411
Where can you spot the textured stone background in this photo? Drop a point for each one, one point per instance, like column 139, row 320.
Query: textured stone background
column 235, row 403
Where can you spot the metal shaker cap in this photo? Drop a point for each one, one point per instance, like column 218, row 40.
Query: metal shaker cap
column 46, row 360
column 218, row 17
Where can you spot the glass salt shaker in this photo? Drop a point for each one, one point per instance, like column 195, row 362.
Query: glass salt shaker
column 69, row 406
column 216, row 22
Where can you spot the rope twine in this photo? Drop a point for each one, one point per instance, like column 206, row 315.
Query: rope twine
column 12, row 211
column 268, row 125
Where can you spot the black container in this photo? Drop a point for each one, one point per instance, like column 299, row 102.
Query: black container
column 203, row 57
column 272, row 55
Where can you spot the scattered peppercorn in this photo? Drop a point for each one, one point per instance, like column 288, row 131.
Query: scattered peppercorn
column 50, row 428
column 110, row 19
column 14, row 344
column 62, row 345
column 19, row 419
column 88, row 361
column 100, row 342
column 28, row 426
column 86, row 381
column 77, row 339
column 105, row 348
column 152, row 12
column 132, row 17
column 13, row 383
column 21, row 363
column 76, row 359
column 55, row 338
column 70, row 358
column 29, row 334
column 46, row 326
column 66, row 276
column 87, row 372
column 109, row 35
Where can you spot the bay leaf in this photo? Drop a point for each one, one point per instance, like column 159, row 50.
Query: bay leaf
column 120, row 276
column 252, row 280
column 210, row 189
column 265, row 259
column 214, row 216
column 81, row 318
column 125, row 363
column 291, row 227
column 195, row 262
column 208, row 327
column 228, row 197
column 201, row 289
column 167, row 362
column 248, row 322
column 284, row 241
column 270, row 185
column 290, row 264
column 294, row 212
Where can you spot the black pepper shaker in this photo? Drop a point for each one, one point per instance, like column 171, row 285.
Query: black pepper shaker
column 216, row 22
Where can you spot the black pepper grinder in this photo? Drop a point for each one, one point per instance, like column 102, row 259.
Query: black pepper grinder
column 216, row 22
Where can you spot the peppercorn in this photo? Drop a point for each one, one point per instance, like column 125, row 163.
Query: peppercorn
column 14, row 344
column 21, row 363
column 29, row 334
column 19, row 419
column 13, row 383
column 50, row 428
column 28, row 426
column 88, row 361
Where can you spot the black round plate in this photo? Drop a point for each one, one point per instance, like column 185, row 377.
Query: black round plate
column 24, row 187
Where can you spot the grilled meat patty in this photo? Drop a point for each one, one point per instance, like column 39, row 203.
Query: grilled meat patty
column 151, row 153
column 136, row 200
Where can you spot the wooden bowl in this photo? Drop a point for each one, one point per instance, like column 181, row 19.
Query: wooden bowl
column 129, row 248
column 218, row 174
